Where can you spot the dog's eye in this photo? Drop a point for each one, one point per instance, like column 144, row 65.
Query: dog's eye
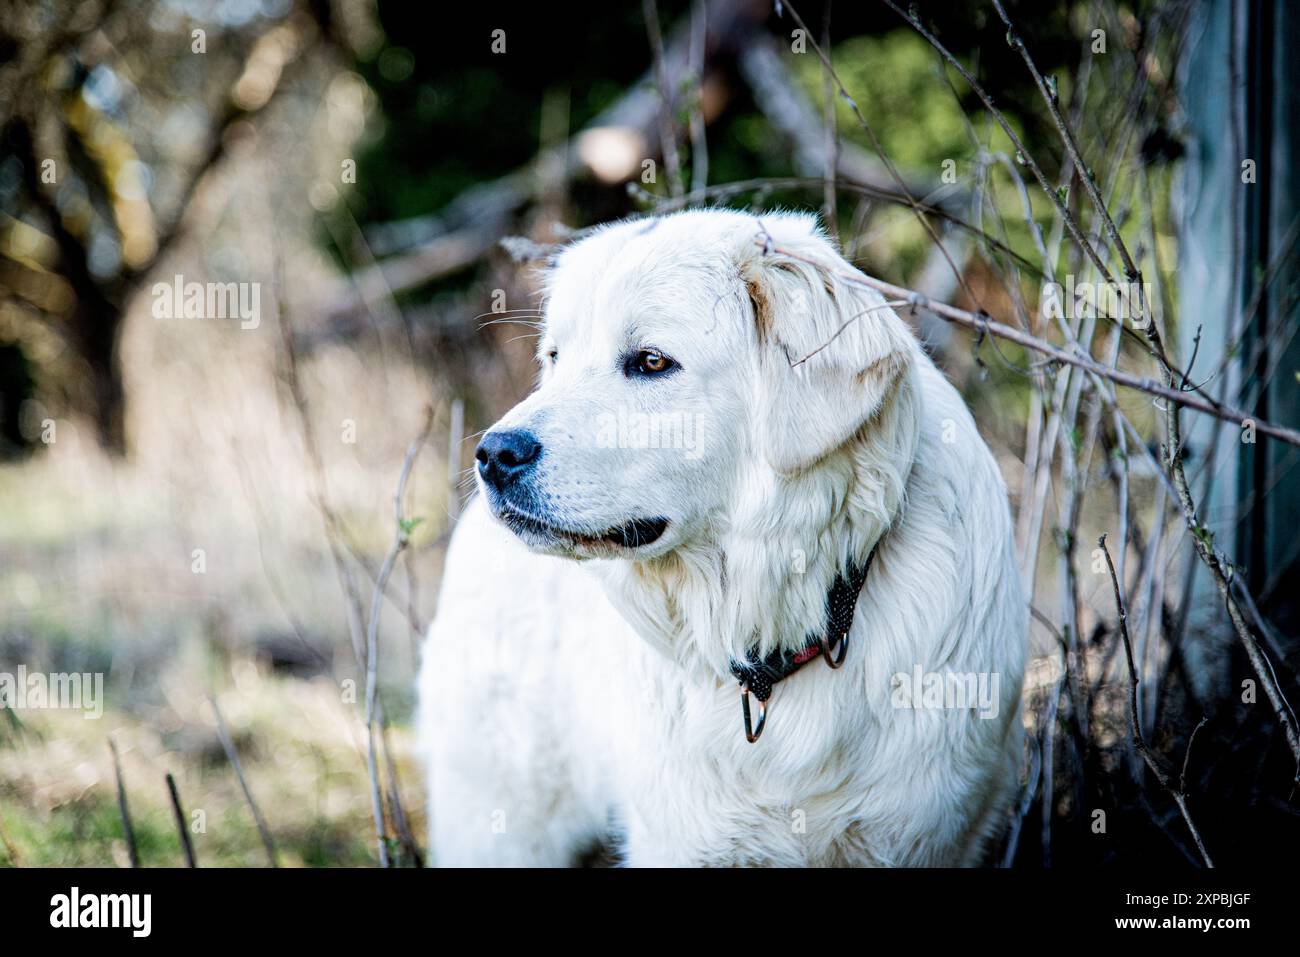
column 649, row 362
column 552, row 354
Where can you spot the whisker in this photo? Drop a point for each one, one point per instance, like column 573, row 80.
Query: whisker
column 518, row 322
column 518, row 315
column 466, row 481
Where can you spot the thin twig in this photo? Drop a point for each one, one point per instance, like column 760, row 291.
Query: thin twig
column 228, row 744
column 1048, row 771
column 401, row 539
column 400, row 821
column 1032, row 775
column 186, row 844
column 829, row 214
column 847, row 322
column 1187, row 756
column 699, row 137
column 1135, row 727
column 122, row 808
column 667, row 128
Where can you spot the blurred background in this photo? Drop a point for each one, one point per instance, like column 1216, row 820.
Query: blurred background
column 202, row 509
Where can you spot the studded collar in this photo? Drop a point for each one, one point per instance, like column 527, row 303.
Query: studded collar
column 758, row 674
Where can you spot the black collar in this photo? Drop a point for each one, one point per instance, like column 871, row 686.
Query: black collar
column 757, row 675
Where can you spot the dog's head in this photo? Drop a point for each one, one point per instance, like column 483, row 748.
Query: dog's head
column 692, row 367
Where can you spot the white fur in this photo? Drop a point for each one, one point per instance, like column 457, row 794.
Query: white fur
column 573, row 691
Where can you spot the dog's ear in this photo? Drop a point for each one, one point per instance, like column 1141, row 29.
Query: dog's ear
column 832, row 352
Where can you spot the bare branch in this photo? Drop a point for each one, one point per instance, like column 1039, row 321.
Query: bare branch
column 1139, row 742
column 127, row 830
column 401, row 540
column 699, row 139
column 667, row 126
column 982, row 323
column 228, row 744
column 186, row 844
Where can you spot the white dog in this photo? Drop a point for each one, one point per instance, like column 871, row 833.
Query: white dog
column 728, row 430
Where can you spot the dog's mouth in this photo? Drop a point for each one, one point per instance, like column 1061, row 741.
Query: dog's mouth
column 635, row 533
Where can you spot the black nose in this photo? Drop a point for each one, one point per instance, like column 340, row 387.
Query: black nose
column 504, row 457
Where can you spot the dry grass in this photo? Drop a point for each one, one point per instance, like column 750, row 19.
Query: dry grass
column 301, row 747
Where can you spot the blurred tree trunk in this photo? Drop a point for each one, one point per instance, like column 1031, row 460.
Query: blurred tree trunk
column 1269, row 483
column 1237, row 272
column 93, row 329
